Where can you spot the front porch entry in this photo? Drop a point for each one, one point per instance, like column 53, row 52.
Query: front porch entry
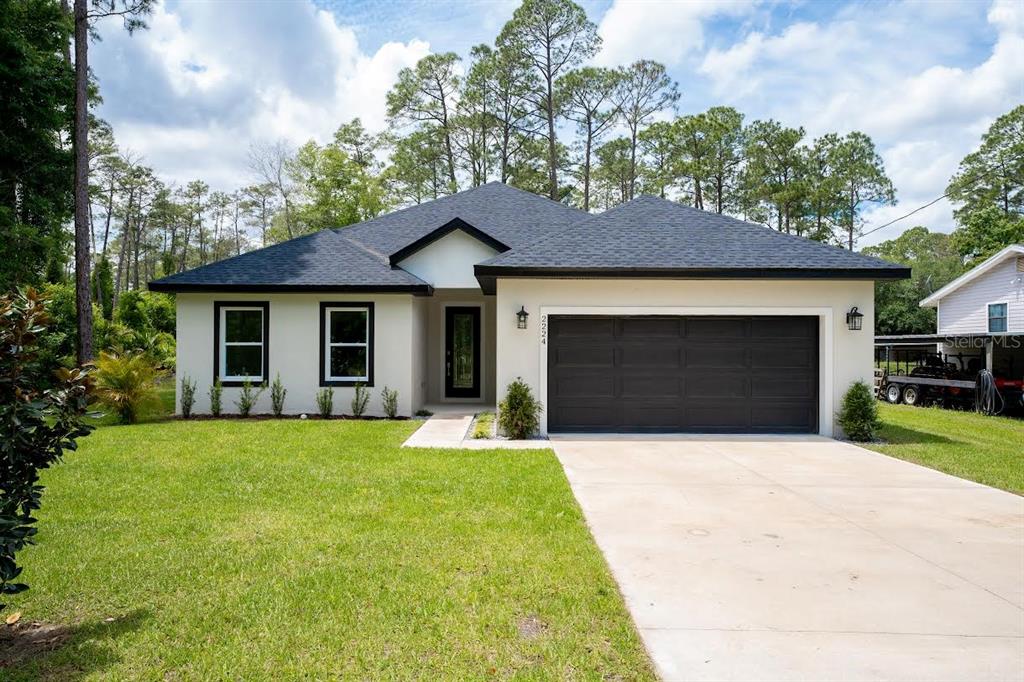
column 460, row 347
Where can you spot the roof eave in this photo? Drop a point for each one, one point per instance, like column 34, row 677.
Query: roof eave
column 451, row 226
column 193, row 287
column 932, row 301
column 487, row 275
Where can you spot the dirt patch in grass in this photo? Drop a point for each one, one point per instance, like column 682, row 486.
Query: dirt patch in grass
column 22, row 641
column 531, row 627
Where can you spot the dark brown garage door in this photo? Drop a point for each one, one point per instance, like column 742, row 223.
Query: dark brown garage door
column 697, row 374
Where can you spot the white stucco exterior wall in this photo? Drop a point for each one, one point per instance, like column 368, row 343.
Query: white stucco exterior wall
column 448, row 262
column 844, row 356
column 295, row 350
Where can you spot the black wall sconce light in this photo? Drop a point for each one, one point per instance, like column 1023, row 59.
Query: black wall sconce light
column 854, row 319
column 521, row 317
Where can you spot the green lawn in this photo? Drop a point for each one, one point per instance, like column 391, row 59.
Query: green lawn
column 965, row 444
column 287, row 549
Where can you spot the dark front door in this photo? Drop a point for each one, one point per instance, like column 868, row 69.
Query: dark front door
column 462, row 352
column 697, row 374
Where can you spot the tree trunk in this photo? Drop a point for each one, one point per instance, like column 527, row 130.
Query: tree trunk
column 552, row 160
column 110, row 211
column 632, row 164
column 586, row 169
column 83, row 297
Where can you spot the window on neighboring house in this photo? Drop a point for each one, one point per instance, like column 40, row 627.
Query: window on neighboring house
column 241, row 331
column 996, row 318
column 346, row 344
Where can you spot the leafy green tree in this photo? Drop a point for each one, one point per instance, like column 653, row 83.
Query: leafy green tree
column 103, row 287
column 659, row 166
column 40, row 419
column 425, row 96
column 985, row 231
column 614, row 172
column 359, row 145
column 553, row 36
column 725, row 136
column 861, row 175
column 586, row 96
column 993, row 174
column 336, row 190
column 824, row 187
column 475, row 124
column 934, row 263
column 774, row 188
column 695, row 146
column 418, row 169
column 37, row 86
column 645, row 89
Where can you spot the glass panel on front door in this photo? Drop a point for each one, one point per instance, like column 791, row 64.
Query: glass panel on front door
column 462, row 350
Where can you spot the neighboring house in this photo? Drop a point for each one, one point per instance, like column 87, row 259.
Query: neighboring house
column 981, row 314
column 649, row 317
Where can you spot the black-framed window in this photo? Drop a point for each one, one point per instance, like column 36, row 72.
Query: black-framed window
column 241, row 342
column 346, row 344
column 997, row 314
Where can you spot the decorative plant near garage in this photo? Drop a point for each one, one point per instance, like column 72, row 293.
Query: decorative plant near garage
column 188, row 396
column 40, row 419
column 858, row 415
column 519, row 412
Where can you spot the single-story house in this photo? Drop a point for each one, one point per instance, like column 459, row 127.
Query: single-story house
column 651, row 316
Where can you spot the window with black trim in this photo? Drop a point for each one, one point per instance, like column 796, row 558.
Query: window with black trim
column 241, row 342
column 996, row 318
column 346, row 344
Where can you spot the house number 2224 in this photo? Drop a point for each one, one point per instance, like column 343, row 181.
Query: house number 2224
column 543, row 330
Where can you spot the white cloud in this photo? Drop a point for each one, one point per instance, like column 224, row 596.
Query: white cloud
column 881, row 72
column 190, row 93
column 662, row 31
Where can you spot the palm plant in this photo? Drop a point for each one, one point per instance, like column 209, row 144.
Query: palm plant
column 126, row 383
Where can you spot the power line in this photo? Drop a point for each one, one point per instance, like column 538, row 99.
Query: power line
column 980, row 176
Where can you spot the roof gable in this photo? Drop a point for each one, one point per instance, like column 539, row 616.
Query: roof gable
column 974, row 273
column 444, row 230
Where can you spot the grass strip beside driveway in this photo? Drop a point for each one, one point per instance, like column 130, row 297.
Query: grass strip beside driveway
column 965, row 444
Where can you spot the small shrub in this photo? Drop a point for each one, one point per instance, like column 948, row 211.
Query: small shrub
column 484, row 426
column 360, row 400
column 424, row 413
column 216, row 392
column 389, row 398
column 859, row 413
column 277, row 394
column 247, row 399
column 519, row 412
column 126, row 384
column 325, row 402
column 188, row 396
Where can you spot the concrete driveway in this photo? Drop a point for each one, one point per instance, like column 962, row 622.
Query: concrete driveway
column 804, row 558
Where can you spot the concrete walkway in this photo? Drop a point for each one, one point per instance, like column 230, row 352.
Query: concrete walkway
column 449, row 426
column 804, row 559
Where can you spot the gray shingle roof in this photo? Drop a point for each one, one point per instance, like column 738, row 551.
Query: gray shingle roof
column 656, row 234
column 322, row 260
column 512, row 216
column 651, row 235
column 356, row 257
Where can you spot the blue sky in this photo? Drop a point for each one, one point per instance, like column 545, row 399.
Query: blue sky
column 924, row 79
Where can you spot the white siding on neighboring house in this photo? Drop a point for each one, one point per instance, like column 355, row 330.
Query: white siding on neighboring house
column 448, row 262
column 965, row 310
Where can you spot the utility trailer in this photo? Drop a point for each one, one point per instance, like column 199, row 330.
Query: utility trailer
column 916, row 390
